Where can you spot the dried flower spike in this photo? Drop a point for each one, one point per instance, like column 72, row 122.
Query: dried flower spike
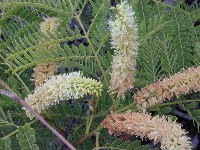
column 45, row 70
column 159, row 129
column 178, row 84
column 50, row 24
column 124, row 41
column 62, row 87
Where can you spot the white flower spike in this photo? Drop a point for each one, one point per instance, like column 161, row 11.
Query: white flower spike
column 125, row 42
column 62, row 87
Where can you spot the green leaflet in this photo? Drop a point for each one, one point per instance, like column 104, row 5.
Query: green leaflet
column 6, row 119
column 98, row 28
column 197, row 53
column 155, row 24
column 26, row 137
column 40, row 4
column 194, row 113
column 5, row 144
column 149, row 60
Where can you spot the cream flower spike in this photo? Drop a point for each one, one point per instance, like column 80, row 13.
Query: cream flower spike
column 125, row 42
column 124, row 29
column 159, row 129
column 59, row 88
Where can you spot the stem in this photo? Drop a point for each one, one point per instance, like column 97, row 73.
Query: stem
column 82, row 8
column 94, row 52
column 87, row 122
column 174, row 103
column 99, row 127
column 83, row 138
column 14, row 96
column 97, row 140
column 10, row 134
column 127, row 107
column 22, row 82
column 117, row 104
column 48, row 117
column 89, row 125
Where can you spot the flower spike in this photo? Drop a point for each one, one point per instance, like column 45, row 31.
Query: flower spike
column 62, row 87
column 175, row 85
column 125, row 42
column 46, row 70
column 159, row 129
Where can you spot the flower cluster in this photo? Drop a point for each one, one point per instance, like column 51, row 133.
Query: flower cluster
column 124, row 41
column 50, row 24
column 44, row 71
column 159, row 129
column 62, row 87
column 180, row 83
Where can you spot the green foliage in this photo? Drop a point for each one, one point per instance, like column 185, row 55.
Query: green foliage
column 23, row 52
column 98, row 28
column 169, row 42
column 5, row 144
column 197, row 53
column 167, row 56
column 119, row 144
column 177, row 36
column 155, row 24
column 26, row 137
column 5, row 119
column 150, row 61
column 194, row 113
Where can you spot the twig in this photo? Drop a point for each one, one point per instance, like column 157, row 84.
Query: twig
column 83, row 138
column 14, row 96
column 6, row 86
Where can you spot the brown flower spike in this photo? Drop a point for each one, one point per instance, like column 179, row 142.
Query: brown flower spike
column 45, row 70
column 159, row 129
column 176, row 85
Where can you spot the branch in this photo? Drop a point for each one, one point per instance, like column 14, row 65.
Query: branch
column 6, row 86
column 83, row 138
column 14, row 96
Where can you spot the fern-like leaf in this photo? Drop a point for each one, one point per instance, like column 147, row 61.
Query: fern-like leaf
column 5, row 144
column 197, row 54
column 26, row 137
column 155, row 24
column 194, row 113
column 6, row 119
column 59, row 7
column 167, row 56
column 125, row 145
column 149, row 59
